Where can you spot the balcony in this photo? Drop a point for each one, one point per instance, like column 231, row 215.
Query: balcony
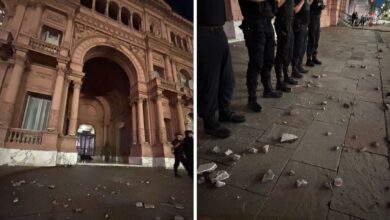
column 42, row 46
column 163, row 84
column 17, row 136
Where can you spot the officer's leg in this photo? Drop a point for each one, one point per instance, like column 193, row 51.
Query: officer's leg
column 209, row 67
column 268, row 63
column 289, row 54
column 226, row 86
column 281, row 52
column 316, row 42
column 310, row 43
column 296, row 49
column 176, row 165
column 303, row 48
column 254, row 42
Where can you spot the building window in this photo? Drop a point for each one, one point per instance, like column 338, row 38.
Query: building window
column 51, row 35
column 185, row 44
column 86, row 3
column 184, row 81
column 2, row 14
column 137, row 22
column 125, row 16
column 159, row 72
column 179, row 43
column 173, row 38
column 37, row 112
column 113, row 10
column 100, row 6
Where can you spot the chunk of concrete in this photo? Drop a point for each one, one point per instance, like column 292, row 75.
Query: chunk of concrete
column 216, row 150
column 220, row 184
column 289, row 138
column 338, row 182
column 228, row 152
column 235, row 157
column 268, row 176
column 300, row 183
column 139, row 204
column 265, row 148
column 253, row 150
column 207, row 167
column 219, row 176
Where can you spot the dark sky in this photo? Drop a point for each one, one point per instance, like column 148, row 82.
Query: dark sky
column 183, row 7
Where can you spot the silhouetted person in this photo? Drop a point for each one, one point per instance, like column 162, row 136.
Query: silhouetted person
column 178, row 151
column 314, row 32
column 189, row 151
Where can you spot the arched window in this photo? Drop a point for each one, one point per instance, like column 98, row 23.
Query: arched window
column 2, row 13
column 185, row 79
column 173, row 38
column 179, row 42
column 113, row 10
column 101, row 6
column 152, row 28
column 185, row 44
column 137, row 22
column 125, row 16
column 86, row 3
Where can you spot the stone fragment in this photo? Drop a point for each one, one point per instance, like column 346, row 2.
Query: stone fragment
column 352, row 66
column 78, row 210
column 288, row 138
column 173, row 198
column 371, row 75
column 363, row 66
column 284, row 122
column 265, row 148
column 201, row 180
column 179, row 217
column 207, row 167
column 219, row 176
column 54, row 202
column 338, row 182
column 139, row 204
column 69, row 199
column 268, row 176
column 66, row 206
column 16, row 200
column 51, row 186
column 238, row 197
column 375, row 144
column 323, row 108
column 328, row 133
column 179, row 206
column 216, row 150
column 377, row 88
column 323, row 75
column 228, row 152
column 291, row 173
column 300, row 182
column 346, row 105
column 316, row 76
column 220, row 184
column 128, row 184
column 235, row 157
column 106, row 216
column 149, row 206
column 328, row 185
column 253, row 150
column 343, row 120
column 336, row 148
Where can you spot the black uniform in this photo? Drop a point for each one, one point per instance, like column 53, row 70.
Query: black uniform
column 179, row 156
column 215, row 71
column 301, row 21
column 260, row 42
column 189, row 153
column 285, row 39
column 314, row 28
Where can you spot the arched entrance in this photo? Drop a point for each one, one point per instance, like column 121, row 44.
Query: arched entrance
column 86, row 140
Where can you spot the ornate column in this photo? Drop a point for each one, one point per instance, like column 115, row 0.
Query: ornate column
column 131, row 21
column 75, row 108
column 180, row 116
column 93, row 4
column 106, row 9
column 56, row 98
column 134, row 122
column 141, row 126
column 11, row 92
column 150, row 62
column 37, row 18
column 63, row 107
column 119, row 17
column 160, row 118
column 174, row 71
column 68, row 32
column 168, row 68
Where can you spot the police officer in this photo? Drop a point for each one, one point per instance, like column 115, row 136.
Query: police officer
column 178, row 151
column 314, row 32
column 215, row 71
column 301, row 21
column 260, row 42
column 285, row 39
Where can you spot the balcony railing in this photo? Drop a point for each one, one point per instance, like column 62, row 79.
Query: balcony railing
column 44, row 46
column 21, row 136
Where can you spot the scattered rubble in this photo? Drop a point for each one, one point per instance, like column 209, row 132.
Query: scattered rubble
column 235, row 157
column 300, row 182
column 219, row 176
column 253, row 150
column 106, row 216
column 323, row 75
column 323, row 108
column 78, row 210
column 291, row 173
column 139, row 204
column 371, row 75
column 228, row 152
column 207, row 167
column 284, row 122
column 328, row 133
column 216, row 150
column 375, row 144
column 201, row 180
column 66, row 206
column 265, row 148
column 149, row 206
column 289, row 138
column 220, row 184
column 16, row 200
column 51, row 186
column 338, row 182
column 268, row 176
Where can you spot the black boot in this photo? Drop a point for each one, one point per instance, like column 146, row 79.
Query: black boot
column 269, row 92
column 316, row 61
column 231, row 117
column 288, row 80
column 295, row 73
column 253, row 105
column 280, row 85
column 213, row 128
column 309, row 62
column 301, row 69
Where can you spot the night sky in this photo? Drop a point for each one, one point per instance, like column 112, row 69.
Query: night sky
column 183, row 7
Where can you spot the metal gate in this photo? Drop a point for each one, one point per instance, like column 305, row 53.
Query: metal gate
column 85, row 143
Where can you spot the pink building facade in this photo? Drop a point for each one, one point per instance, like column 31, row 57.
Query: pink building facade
column 105, row 79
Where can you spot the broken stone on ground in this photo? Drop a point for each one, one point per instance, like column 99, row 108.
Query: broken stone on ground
column 328, row 133
column 216, row 150
column 235, row 157
column 288, row 138
column 300, row 182
column 219, row 176
column 265, row 148
column 220, row 184
column 16, row 200
column 149, row 206
column 228, row 152
column 338, row 182
column 253, row 150
column 139, row 204
column 291, row 173
column 207, row 167
column 268, row 176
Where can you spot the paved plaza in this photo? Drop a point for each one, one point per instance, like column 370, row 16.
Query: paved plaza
column 339, row 114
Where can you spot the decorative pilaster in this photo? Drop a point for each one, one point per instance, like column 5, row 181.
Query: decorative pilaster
column 75, row 108
column 37, row 18
column 174, row 71
column 134, row 122
column 160, row 116
column 180, row 116
column 56, row 98
column 168, row 68
column 141, row 124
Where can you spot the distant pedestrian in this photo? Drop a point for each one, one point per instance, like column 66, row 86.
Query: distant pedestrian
column 178, row 151
column 354, row 18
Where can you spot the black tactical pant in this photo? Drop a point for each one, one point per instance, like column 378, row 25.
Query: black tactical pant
column 284, row 48
column 300, row 42
column 313, row 36
column 180, row 159
column 215, row 74
column 260, row 42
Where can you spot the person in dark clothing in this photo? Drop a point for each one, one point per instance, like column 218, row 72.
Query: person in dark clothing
column 189, row 151
column 260, row 42
column 285, row 39
column 178, row 151
column 301, row 21
column 354, row 18
column 215, row 71
column 314, row 32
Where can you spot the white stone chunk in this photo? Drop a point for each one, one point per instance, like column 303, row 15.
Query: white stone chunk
column 288, row 138
column 207, row 167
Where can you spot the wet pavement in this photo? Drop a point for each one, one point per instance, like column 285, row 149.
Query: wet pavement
column 86, row 192
column 355, row 83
